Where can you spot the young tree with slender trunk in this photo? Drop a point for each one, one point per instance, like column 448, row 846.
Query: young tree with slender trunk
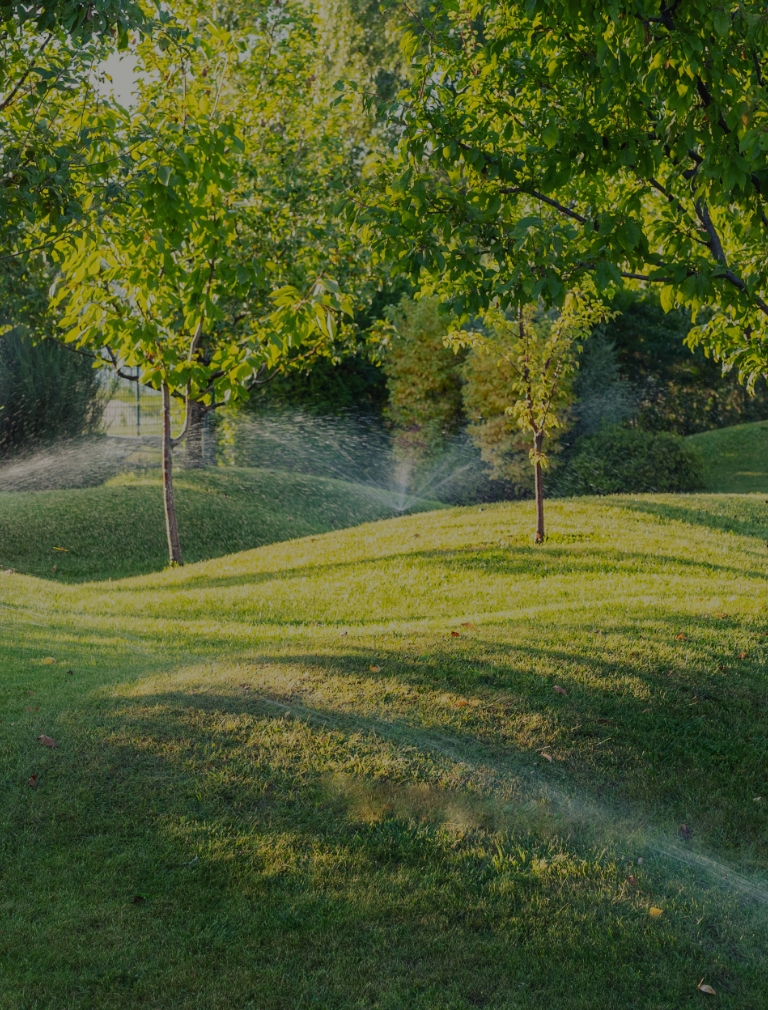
column 541, row 351
column 178, row 277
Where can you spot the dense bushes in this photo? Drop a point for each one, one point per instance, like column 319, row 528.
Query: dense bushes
column 46, row 393
column 633, row 460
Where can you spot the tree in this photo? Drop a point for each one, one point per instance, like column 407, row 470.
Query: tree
column 52, row 123
column 486, row 395
column 45, row 393
column 423, row 379
column 540, row 352
column 183, row 273
column 541, row 141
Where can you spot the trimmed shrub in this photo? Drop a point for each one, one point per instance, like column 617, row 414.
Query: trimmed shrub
column 617, row 460
column 46, row 393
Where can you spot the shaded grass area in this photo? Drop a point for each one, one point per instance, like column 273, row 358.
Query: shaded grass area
column 735, row 458
column 318, row 774
column 117, row 529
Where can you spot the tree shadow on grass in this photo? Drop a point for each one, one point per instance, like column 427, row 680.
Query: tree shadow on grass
column 729, row 513
column 203, row 850
column 533, row 563
column 676, row 728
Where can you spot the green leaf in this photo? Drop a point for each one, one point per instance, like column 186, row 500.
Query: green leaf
column 667, row 298
column 550, row 135
column 721, row 22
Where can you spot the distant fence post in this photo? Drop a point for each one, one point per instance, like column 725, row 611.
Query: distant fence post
column 138, row 403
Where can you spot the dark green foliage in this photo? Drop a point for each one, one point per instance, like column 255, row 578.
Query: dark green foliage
column 325, row 388
column 665, row 385
column 617, row 460
column 46, row 392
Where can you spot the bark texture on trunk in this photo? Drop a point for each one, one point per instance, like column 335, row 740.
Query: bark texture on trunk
column 538, row 441
column 171, row 524
column 194, row 446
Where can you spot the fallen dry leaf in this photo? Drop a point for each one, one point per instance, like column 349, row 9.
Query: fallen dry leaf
column 547, row 756
column 632, row 879
column 47, row 741
column 560, row 690
column 706, row 988
column 470, row 625
column 742, row 655
column 655, row 912
column 32, row 781
column 29, row 708
column 455, row 634
column 682, row 637
column 49, row 660
column 461, row 704
column 375, row 669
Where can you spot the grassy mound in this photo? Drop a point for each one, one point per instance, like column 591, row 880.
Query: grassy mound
column 735, row 458
column 117, row 529
column 420, row 764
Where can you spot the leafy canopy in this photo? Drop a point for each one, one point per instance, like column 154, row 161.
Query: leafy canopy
column 544, row 140
column 540, row 353
column 207, row 265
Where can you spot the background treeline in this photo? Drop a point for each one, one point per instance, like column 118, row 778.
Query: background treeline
column 638, row 392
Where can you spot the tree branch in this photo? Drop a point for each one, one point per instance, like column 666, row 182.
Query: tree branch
column 715, row 245
column 514, row 190
column 20, row 83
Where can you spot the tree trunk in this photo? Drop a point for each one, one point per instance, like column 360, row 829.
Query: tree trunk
column 171, row 525
column 194, row 454
column 538, row 441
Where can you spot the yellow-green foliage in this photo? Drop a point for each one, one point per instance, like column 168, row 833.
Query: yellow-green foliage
column 524, row 387
column 423, row 377
column 486, row 394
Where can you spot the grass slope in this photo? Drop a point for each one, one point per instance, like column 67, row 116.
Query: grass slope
column 735, row 458
column 117, row 529
column 334, row 773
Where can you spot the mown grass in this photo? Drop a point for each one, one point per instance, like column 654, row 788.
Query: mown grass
column 735, row 458
column 117, row 529
column 318, row 774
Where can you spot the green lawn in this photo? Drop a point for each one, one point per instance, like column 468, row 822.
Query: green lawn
column 735, row 458
column 335, row 772
column 117, row 529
